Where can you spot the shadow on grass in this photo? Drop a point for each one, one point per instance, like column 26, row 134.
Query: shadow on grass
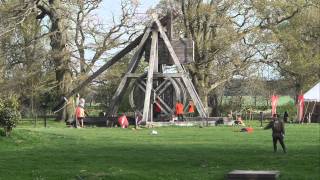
column 173, row 154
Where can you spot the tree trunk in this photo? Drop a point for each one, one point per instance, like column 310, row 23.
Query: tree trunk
column 214, row 103
column 203, row 95
column 61, row 56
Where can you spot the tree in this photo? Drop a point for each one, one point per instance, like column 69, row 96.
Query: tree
column 9, row 113
column 25, row 66
column 71, row 36
column 294, row 33
column 220, row 48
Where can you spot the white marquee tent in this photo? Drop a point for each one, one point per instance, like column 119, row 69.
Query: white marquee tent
column 313, row 95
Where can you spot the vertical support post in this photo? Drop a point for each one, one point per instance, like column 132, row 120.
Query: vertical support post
column 151, row 113
column 153, row 53
column 45, row 118
column 156, row 60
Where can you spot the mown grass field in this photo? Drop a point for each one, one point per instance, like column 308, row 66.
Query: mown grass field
column 58, row 152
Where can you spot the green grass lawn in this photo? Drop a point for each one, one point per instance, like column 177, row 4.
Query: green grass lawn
column 58, row 152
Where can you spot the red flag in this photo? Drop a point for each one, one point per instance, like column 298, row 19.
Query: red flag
column 274, row 103
column 300, row 107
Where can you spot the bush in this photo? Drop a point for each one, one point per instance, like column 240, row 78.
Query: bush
column 9, row 114
column 290, row 108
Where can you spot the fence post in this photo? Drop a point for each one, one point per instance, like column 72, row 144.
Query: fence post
column 45, row 118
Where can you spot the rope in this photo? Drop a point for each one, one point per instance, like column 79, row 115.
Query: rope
column 65, row 104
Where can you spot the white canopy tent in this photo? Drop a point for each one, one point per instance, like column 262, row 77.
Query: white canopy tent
column 313, row 97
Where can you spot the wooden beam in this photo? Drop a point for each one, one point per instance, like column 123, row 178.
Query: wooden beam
column 134, row 75
column 162, row 84
column 141, row 87
column 112, row 61
column 125, row 81
column 156, row 75
column 156, row 60
column 168, row 110
column 170, row 75
column 164, row 88
column 135, row 59
column 153, row 53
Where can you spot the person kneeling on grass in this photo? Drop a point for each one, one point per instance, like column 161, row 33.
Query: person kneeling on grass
column 239, row 121
column 138, row 119
column 123, row 121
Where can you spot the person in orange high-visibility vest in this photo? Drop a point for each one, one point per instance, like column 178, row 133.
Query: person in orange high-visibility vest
column 80, row 114
column 191, row 108
column 123, row 121
column 179, row 110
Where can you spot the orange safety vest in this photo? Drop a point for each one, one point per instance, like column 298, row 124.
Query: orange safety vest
column 179, row 108
column 191, row 108
column 79, row 112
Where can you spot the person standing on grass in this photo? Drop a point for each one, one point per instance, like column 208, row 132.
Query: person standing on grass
column 285, row 116
column 80, row 114
column 157, row 108
column 261, row 118
column 191, row 108
column 179, row 110
column 278, row 132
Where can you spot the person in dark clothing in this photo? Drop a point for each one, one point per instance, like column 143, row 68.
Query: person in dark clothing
column 285, row 116
column 278, row 132
column 261, row 118
column 156, row 108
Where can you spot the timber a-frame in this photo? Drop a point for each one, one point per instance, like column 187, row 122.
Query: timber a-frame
column 154, row 33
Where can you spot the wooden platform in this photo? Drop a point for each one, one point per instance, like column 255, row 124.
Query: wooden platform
column 252, row 175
